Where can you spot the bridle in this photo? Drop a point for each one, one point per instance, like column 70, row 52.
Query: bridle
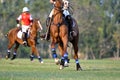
column 59, row 9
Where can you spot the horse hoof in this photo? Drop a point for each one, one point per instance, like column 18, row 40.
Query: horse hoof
column 57, row 61
column 42, row 62
column 78, row 67
column 6, row 57
column 14, row 56
column 61, row 67
column 32, row 60
column 66, row 64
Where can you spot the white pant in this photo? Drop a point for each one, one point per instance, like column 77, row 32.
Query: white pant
column 66, row 12
column 25, row 28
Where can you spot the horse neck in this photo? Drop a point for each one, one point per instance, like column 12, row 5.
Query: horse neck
column 57, row 16
column 34, row 29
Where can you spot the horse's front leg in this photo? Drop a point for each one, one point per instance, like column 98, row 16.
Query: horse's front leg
column 60, row 47
column 54, row 55
column 15, row 51
column 64, row 59
column 34, row 51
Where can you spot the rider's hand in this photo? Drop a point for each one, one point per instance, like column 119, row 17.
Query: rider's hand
column 18, row 25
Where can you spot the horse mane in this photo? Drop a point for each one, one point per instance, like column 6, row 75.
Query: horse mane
column 34, row 23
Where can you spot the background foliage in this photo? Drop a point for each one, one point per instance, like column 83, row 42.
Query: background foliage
column 98, row 22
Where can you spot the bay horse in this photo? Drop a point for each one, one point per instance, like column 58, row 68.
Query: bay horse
column 59, row 35
column 31, row 40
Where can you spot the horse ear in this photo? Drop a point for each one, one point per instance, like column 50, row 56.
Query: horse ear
column 36, row 18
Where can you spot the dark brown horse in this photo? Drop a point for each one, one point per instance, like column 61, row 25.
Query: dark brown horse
column 59, row 35
column 31, row 40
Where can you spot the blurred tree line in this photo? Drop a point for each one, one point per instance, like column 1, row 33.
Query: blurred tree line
column 98, row 20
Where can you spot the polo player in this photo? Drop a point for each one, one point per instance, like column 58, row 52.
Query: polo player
column 26, row 20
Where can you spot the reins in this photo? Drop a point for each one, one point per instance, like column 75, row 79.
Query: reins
column 59, row 9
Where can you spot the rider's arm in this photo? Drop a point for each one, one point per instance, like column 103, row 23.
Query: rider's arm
column 18, row 21
column 31, row 20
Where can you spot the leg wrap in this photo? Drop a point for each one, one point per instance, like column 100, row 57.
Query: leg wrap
column 77, row 61
column 66, row 57
column 31, row 57
column 54, row 55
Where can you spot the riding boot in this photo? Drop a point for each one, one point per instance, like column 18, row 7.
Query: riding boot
column 70, row 23
column 24, row 37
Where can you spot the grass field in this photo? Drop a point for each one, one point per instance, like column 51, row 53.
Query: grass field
column 23, row 69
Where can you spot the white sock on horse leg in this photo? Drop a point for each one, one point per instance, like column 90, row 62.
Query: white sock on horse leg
column 8, row 51
column 39, row 57
column 14, row 53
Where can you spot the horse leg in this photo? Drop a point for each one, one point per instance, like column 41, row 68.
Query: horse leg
column 64, row 59
column 35, row 51
column 15, row 51
column 11, row 43
column 54, row 55
column 32, row 57
column 75, row 46
column 60, row 47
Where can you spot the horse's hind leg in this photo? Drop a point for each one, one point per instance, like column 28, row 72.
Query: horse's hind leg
column 11, row 43
column 32, row 57
column 15, row 51
column 75, row 46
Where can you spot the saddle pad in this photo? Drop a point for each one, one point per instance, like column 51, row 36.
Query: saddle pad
column 19, row 34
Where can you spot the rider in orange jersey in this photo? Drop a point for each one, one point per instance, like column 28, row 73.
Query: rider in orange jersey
column 25, row 19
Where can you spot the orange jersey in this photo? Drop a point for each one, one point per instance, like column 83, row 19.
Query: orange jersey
column 25, row 19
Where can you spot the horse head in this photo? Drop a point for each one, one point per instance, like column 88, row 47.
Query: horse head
column 36, row 25
column 58, row 12
column 58, row 4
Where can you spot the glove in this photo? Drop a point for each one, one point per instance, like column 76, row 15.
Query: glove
column 18, row 25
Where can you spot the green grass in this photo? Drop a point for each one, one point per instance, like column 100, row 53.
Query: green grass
column 23, row 69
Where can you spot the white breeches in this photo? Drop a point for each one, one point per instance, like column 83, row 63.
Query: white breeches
column 66, row 12
column 24, row 28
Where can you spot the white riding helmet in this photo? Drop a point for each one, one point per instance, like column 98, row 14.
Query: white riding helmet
column 64, row 0
column 25, row 9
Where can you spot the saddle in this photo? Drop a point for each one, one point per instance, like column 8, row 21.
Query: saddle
column 19, row 34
